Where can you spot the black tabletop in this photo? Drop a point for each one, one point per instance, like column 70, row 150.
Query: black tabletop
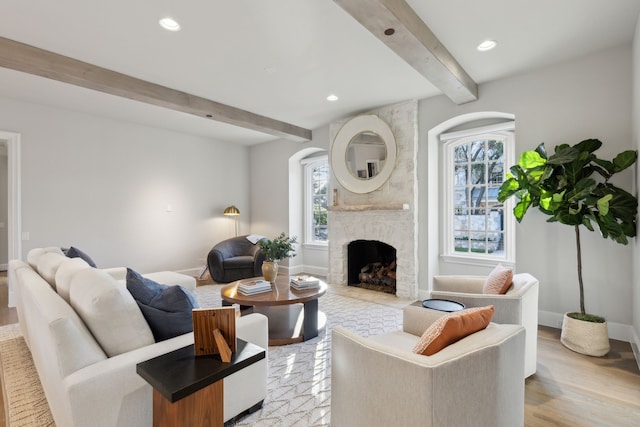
column 179, row 373
column 442, row 305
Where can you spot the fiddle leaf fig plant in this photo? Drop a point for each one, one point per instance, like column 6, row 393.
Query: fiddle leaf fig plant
column 572, row 187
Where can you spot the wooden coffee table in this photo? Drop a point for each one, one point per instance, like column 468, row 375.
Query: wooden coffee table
column 293, row 315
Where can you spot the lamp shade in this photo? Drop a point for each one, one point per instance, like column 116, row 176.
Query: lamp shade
column 232, row 211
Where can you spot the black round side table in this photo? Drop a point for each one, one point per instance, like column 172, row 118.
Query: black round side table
column 442, row 305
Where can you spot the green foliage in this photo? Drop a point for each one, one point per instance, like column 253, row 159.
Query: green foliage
column 572, row 187
column 320, row 217
column 279, row 248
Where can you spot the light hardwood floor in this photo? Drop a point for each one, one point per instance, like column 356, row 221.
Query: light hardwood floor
column 569, row 389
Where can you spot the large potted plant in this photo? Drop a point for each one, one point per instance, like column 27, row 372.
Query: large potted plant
column 274, row 251
column 572, row 187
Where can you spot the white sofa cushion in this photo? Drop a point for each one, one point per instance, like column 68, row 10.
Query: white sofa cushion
column 172, row 278
column 65, row 273
column 48, row 264
column 65, row 329
column 34, row 254
column 96, row 296
column 163, row 277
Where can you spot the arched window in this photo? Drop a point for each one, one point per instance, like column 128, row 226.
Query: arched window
column 316, row 175
column 476, row 226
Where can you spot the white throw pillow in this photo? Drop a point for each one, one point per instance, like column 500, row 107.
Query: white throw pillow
column 109, row 311
column 65, row 273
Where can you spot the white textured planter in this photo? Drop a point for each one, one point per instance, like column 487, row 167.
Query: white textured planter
column 584, row 337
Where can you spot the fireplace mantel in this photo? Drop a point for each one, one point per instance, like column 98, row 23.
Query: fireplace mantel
column 373, row 207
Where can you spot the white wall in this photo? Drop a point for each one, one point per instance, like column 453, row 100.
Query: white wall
column 104, row 186
column 274, row 211
column 584, row 98
column 636, row 144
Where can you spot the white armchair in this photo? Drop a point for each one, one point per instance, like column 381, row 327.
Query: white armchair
column 379, row 381
column 518, row 306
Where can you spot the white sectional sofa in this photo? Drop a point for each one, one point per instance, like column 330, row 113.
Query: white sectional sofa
column 86, row 335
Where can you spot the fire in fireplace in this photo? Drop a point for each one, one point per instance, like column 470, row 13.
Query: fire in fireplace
column 371, row 264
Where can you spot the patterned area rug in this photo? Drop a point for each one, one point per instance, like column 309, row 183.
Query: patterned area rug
column 299, row 379
column 25, row 404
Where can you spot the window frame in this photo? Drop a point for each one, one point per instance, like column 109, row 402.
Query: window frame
column 506, row 133
column 309, row 164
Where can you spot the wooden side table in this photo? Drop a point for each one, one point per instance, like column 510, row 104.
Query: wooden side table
column 188, row 390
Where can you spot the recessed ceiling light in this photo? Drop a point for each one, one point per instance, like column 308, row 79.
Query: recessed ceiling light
column 168, row 23
column 486, row 45
column 332, row 97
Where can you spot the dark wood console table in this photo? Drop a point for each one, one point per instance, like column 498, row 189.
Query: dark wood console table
column 188, row 390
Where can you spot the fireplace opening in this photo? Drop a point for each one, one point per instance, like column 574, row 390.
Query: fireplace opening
column 371, row 264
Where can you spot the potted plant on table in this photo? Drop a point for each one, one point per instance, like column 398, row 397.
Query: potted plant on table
column 572, row 187
column 275, row 251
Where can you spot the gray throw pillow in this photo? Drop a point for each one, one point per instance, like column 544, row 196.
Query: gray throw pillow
column 167, row 309
column 74, row 252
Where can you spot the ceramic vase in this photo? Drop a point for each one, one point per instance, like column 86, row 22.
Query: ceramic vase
column 584, row 337
column 270, row 271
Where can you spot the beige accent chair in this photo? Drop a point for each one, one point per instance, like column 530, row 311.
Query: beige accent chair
column 518, row 306
column 379, row 381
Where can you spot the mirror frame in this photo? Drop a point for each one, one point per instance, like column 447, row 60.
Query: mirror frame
column 359, row 124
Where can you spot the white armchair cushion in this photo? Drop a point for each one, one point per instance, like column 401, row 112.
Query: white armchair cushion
column 96, row 296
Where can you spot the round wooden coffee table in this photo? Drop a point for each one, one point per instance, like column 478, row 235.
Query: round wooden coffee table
column 293, row 315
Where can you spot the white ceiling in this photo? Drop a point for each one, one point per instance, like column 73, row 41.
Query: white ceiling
column 281, row 58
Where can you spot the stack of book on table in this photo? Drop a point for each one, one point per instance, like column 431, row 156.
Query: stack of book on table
column 304, row 282
column 254, row 287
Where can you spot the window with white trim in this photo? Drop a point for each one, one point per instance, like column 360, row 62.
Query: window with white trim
column 478, row 228
column 316, row 173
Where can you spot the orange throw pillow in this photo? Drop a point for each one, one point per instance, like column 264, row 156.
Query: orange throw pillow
column 498, row 281
column 453, row 327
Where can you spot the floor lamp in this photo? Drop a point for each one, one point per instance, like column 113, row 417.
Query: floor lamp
column 235, row 213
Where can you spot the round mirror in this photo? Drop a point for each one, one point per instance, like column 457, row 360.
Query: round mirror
column 363, row 154
column 366, row 154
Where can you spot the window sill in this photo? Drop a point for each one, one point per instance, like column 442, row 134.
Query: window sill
column 316, row 246
column 479, row 261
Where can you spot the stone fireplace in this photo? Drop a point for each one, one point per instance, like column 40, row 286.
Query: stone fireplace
column 388, row 214
column 371, row 264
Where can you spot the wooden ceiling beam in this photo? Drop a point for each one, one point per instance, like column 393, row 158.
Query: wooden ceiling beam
column 29, row 59
column 397, row 25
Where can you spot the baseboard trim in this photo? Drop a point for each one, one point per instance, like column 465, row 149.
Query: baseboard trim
column 617, row 331
column 635, row 346
column 308, row 269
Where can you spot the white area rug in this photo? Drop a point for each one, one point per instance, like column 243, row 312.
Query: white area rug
column 299, row 379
